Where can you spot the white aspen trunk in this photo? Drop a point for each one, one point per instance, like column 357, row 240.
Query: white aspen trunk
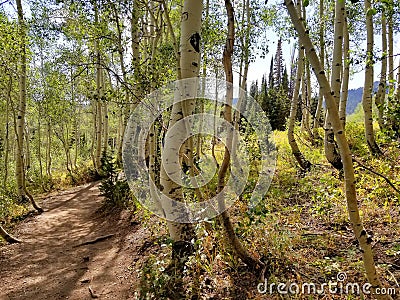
column 364, row 239
column 7, row 137
column 318, row 112
column 39, row 145
column 20, row 122
column 302, row 161
column 99, row 97
column 398, row 84
column 307, row 75
column 94, row 133
column 368, row 83
column 331, row 149
column 134, row 100
column 305, row 104
column 77, row 138
column 381, row 94
column 124, row 107
column 390, row 52
column 246, row 50
column 105, row 118
column 303, row 99
column 99, row 119
column 27, row 149
column 48, row 150
column 346, row 73
column 183, row 233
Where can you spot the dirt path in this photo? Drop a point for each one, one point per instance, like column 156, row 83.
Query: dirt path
column 50, row 265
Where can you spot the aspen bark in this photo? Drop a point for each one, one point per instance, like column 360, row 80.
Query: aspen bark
column 398, row 84
column 318, row 112
column 307, row 99
column 368, row 83
column 330, row 145
column 183, row 233
column 246, row 50
column 361, row 234
column 252, row 262
column 99, row 97
column 48, row 150
column 39, row 149
column 302, row 161
column 381, row 93
column 390, row 50
column 305, row 84
column 346, row 72
column 20, row 122
column 7, row 137
column 105, row 121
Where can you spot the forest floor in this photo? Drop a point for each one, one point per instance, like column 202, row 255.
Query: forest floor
column 77, row 249
column 56, row 262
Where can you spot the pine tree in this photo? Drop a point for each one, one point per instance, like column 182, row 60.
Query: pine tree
column 271, row 81
column 278, row 65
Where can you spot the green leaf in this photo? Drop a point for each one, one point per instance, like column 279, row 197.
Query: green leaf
column 306, row 3
column 371, row 12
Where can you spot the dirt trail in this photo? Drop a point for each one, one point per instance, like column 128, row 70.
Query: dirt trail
column 49, row 264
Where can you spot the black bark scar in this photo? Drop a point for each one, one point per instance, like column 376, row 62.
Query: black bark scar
column 195, row 41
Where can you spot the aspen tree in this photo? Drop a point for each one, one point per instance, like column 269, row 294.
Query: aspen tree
column 252, row 262
column 330, row 145
column 390, row 45
column 321, row 34
column 20, row 122
column 381, row 93
column 303, row 162
column 125, row 106
column 346, row 72
column 364, row 239
column 369, row 81
column 183, row 234
column 99, row 95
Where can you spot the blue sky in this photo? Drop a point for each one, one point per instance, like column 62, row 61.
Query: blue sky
column 261, row 66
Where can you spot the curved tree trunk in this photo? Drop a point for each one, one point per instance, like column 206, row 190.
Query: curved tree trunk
column 303, row 162
column 364, row 239
column 240, row 250
column 20, row 122
column 368, row 83
column 8, row 237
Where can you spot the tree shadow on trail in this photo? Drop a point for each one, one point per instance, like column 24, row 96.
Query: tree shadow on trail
column 51, row 263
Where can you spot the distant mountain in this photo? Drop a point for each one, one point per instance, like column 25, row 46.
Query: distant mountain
column 355, row 97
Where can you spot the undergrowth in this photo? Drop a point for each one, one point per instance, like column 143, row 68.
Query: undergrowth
column 116, row 191
column 300, row 229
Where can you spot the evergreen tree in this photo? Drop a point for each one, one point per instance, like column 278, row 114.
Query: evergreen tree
column 278, row 65
column 271, row 81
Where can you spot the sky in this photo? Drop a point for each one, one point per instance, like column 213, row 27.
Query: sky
column 261, row 66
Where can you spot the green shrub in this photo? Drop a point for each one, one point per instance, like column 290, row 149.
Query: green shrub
column 116, row 192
